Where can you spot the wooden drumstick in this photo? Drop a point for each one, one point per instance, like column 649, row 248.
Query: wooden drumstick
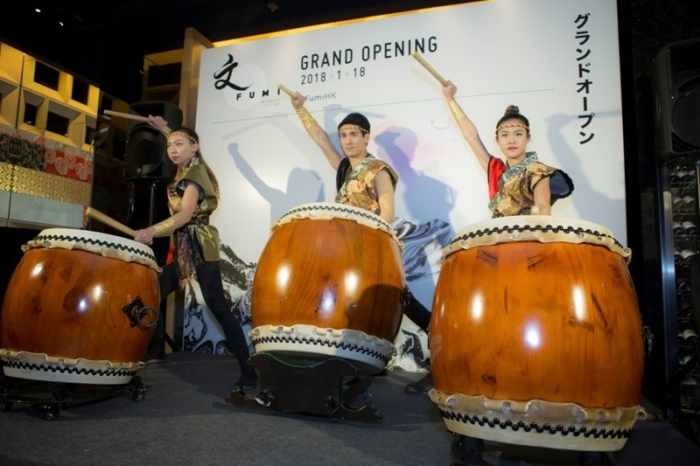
column 109, row 221
column 128, row 116
column 287, row 90
column 427, row 66
column 131, row 116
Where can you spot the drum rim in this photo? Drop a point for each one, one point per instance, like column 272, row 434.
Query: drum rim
column 491, row 232
column 538, row 422
column 356, row 345
column 143, row 254
column 42, row 366
column 364, row 217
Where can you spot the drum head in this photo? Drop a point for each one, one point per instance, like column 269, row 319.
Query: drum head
column 334, row 211
column 539, row 228
column 106, row 245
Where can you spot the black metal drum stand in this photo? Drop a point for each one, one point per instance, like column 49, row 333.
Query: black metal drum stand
column 51, row 397
column 323, row 389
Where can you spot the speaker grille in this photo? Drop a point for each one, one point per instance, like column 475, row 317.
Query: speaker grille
column 146, row 157
column 678, row 145
column 676, row 86
column 686, row 120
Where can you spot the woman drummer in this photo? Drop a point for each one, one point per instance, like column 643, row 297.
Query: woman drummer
column 192, row 198
column 521, row 185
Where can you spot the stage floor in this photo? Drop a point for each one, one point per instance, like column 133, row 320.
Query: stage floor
column 185, row 420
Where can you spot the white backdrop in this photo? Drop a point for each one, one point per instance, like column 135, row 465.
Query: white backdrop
column 556, row 59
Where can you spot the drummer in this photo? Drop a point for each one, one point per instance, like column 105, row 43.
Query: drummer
column 363, row 180
column 521, row 185
column 192, row 198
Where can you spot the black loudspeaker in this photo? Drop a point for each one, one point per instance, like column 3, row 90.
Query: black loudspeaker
column 146, row 158
column 676, row 85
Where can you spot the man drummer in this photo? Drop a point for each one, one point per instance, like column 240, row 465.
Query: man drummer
column 366, row 182
column 363, row 180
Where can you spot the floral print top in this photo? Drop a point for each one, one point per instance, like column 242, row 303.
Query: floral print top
column 358, row 188
column 516, row 185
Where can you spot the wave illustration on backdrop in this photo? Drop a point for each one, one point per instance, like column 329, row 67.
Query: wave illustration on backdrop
column 422, row 246
column 201, row 333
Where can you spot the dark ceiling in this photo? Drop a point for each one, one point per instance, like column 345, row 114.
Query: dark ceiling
column 104, row 41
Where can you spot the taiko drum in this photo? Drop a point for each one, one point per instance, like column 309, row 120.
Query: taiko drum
column 329, row 283
column 80, row 307
column 536, row 335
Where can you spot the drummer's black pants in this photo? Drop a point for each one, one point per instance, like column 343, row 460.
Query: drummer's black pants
column 415, row 311
column 209, row 279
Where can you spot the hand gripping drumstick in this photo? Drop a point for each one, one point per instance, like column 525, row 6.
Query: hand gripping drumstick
column 287, row 90
column 427, row 66
column 130, row 116
column 102, row 218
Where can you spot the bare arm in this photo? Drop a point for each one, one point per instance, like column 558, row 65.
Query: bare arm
column 181, row 218
column 469, row 131
column 318, row 134
column 542, row 195
column 385, row 192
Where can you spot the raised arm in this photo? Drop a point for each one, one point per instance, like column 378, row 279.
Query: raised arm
column 468, row 129
column 317, row 133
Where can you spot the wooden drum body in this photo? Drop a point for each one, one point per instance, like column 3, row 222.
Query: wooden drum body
column 536, row 335
column 329, row 283
column 80, row 307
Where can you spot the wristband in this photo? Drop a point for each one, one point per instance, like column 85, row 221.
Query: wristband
column 307, row 120
column 456, row 110
column 164, row 228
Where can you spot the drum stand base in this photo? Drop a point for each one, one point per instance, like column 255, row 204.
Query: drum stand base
column 467, row 452
column 51, row 397
column 318, row 390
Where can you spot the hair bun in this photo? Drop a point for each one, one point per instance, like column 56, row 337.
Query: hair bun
column 512, row 109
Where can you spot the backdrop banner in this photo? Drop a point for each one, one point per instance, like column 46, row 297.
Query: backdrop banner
column 557, row 60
